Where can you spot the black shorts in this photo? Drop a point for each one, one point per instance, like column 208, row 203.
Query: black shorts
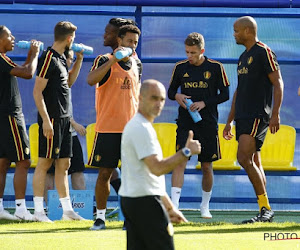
column 106, row 150
column 77, row 164
column 206, row 134
column 255, row 127
column 60, row 146
column 147, row 223
column 14, row 143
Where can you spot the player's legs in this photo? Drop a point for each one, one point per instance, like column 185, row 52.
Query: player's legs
column 39, row 176
column 208, row 176
column 207, row 184
column 245, row 154
column 49, row 185
column 178, row 173
column 4, row 166
column 77, row 165
column 257, row 160
column 105, row 155
column 17, row 150
column 20, row 178
column 78, row 181
column 177, row 183
column 251, row 134
column 115, row 180
column 102, row 190
column 61, row 176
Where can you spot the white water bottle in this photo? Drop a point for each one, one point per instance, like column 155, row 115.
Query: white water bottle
column 120, row 54
column 26, row 45
column 194, row 114
column 87, row 50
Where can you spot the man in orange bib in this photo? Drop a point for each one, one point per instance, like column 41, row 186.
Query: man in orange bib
column 117, row 88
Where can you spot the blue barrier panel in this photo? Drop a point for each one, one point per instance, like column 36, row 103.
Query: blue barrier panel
column 82, row 202
column 181, row 3
column 6, row 1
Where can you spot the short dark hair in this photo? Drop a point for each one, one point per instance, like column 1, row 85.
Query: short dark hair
column 195, row 39
column 119, row 21
column 128, row 28
column 63, row 29
column 2, row 30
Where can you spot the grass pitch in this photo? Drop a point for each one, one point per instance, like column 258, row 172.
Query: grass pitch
column 221, row 232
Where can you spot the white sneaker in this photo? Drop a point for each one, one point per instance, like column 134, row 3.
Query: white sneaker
column 205, row 213
column 5, row 215
column 24, row 215
column 42, row 217
column 71, row 215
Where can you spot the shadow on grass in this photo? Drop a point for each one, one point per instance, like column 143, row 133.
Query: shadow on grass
column 53, row 228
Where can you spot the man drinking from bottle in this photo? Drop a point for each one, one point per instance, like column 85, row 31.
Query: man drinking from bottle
column 117, row 87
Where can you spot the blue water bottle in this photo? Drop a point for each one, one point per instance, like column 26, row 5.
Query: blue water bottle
column 120, row 54
column 194, row 114
column 26, row 45
column 87, row 50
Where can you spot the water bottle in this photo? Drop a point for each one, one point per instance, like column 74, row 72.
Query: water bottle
column 194, row 114
column 87, row 50
column 120, row 54
column 26, row 45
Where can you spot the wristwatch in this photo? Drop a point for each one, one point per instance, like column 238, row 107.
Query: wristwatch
column 186, row 152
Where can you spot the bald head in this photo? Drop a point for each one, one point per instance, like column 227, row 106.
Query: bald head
column 151, row 83
column 152, row 99
column 247, row 22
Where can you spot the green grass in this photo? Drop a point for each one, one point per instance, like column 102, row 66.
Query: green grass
column 222, row 232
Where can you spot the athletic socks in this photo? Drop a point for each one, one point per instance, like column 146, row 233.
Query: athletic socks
column 38, row 204
column 205, row 198
column 116, row 184
column 1, row 205
column 66, row 203
column 20, row 204
column 175, row 196
column 101, row 214
column 263, row 201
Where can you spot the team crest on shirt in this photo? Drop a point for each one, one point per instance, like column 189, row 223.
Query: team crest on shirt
column 57, row 150
column 97, row 158
column 207, row 75
column 250, row 60
column 27, row 151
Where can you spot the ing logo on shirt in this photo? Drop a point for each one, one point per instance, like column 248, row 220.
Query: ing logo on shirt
column 126, row 84
column 200, row 85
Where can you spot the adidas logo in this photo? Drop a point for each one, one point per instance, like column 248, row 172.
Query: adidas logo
column 18, row 204
column 186, row 75
column 214, row 156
